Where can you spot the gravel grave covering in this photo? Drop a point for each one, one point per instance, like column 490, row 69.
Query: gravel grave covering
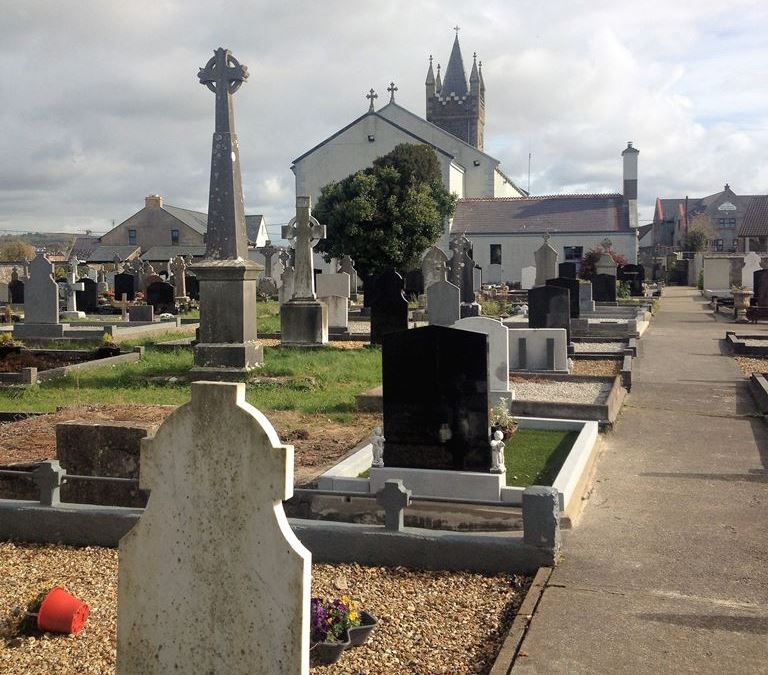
column 756, row 342
column 587, row 347
column 533, row 389
column 600, row 367
column 751, row 365
column 430, row 622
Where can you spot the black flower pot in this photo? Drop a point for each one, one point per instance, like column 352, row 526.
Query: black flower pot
column 325, row 653
column 105, row 351
column 359, row 634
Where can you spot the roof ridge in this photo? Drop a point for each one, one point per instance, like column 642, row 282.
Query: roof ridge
column 576, row 195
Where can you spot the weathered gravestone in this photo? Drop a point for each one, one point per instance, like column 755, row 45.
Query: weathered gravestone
column 192, row 286
column 389, row 308
column 347, row 265
column 586, row 304
column 549, row 307
column 604, row 288
column 213, row 581
column 546, row 262
column 605, row 263
column 760, row 283
column 41, row 301
column 430, row 266
column 528, row 277
column 161, row 295
column 88, row 298
column 567, row 270
column 573, row 292
column 16, row 288
column 4, row 296
column 333, row 290
column 285, row 292
column 125, row 285
column 634, row 275
column 178, row 267
column 435, row 398
column 498, row 353
column 750, row 265
column 443, row 300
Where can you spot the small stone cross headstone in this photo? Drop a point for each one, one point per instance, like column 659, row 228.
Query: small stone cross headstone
column 268, row 250
column 305, row 232
column 393, row 498
column 213, row 581
column 72, row 287
column 347, row 265
column 178, row 267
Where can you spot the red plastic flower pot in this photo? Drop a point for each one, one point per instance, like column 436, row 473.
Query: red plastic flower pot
column 61, row 612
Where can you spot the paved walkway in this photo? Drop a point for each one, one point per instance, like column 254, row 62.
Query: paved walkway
column 667, row 571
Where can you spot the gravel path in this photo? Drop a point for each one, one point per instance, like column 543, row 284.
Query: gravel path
column 571, row 392
column 430, row 622
column 588, row 347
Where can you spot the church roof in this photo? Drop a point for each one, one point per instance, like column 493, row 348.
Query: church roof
column 455, row 80
column 388, row 121
column 537, row 215
column 756, row 218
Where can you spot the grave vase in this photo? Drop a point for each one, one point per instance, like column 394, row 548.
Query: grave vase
column 740, row 304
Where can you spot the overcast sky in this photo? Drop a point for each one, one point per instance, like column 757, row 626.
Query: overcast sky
column 101, row 104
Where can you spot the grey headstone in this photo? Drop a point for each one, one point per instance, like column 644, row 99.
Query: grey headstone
column 41, row 298
column 443, row 301
column 430, row 266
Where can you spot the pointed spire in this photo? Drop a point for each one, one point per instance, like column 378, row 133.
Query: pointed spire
column 455, row 76
column 430, row 73
column 482, row 81
column 438, row 80
column 474, row 76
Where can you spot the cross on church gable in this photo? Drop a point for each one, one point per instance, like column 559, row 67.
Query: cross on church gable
column 371, row 95
column 391, row 89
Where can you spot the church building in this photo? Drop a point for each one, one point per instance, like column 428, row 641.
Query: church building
column 453, row 128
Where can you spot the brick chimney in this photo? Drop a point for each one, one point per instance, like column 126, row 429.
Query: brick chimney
column 629, row 156
column 153, row 202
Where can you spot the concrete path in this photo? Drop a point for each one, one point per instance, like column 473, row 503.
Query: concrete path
column 667, row 571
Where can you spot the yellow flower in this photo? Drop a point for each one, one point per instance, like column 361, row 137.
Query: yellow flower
column 353, row 616
column 345, row 599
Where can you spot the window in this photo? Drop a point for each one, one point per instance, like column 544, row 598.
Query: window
column 573, row 253
column 175, row 237
column 718, row 244
column 495, row 254
column 726, row 222
column 131, row 236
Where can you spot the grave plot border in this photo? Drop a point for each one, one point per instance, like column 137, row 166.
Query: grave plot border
column 571, row 480
column 739, row 346
column 31, row 376
column 758, row 387
column 633, row 347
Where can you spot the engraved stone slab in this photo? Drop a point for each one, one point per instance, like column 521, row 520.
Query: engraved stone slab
column 498, row 352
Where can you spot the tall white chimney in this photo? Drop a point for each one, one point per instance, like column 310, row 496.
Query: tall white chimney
column 629, row 156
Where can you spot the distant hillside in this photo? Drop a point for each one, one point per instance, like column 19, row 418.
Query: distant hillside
column 53, row 242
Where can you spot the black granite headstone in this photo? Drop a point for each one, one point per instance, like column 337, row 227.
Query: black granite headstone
column 567, row 270
column 634, row 275
column 550, row 307
column 467, row 279
column 414, row 283
column 160, row 295
column 193, row 286
column 760, row 287
column 435, row 382
column 87, row 299
column 573, row 290
column 389, row 308
column 16, row 292
column 124, row 284
column 604, row 288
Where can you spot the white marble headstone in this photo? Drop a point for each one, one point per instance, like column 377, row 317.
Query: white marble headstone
column 212, row 579
column 751, row 265
column 528, row 278
column 334, row 283
column 498, row 352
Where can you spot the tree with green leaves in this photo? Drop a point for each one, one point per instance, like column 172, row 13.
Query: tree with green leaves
column 386, row 215
column 588, row 265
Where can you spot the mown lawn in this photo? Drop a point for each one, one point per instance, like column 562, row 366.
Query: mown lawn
column 534, row 456
column 317, row 381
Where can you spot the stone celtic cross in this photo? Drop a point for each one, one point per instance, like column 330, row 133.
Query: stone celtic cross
column 73, row 285
column 284, row 257
column 305, row 231
column 226, row 238
column 268, row 250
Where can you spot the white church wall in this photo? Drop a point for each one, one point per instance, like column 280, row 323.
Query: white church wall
column 456, row 180
column 517, row 250
column 502, row 187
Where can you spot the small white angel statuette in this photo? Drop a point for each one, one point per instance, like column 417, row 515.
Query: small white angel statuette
column 497, row 453
column 377, row 441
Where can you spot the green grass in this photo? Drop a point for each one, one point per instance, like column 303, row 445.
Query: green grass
column 318, row 381
column 534, row 456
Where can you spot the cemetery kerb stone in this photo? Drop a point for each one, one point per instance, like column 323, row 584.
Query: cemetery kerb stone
column 760, row 287
column 717, row 274
column 435, row 399
column 498, row 353
column 389, row 308
column 538, row 349
column 546, row 262
column 88, row 298
column 573, row 293
column 443, row 303
column 125, row 285
column 429, row 266
column 161, row 295
column 333, row 290
column 750, row 266
column 567, row 270
column 228, row 346
column 211, row 580
column 528, row 277
column 41, row 300
column 604, row 288
column 549, row 307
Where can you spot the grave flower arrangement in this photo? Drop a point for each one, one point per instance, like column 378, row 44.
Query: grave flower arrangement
column 501, row 420
column 336, row 625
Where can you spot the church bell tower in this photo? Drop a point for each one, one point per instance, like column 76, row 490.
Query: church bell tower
column 453, row 103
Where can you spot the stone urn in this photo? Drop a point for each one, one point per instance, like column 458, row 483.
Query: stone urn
column 741, row 298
